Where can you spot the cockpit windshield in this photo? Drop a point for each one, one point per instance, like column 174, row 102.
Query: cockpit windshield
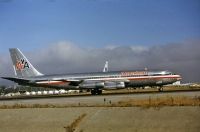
column 168, row 73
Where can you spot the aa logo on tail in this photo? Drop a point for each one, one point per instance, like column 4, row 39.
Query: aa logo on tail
column 22, row 64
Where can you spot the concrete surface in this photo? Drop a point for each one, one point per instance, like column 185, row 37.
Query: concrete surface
column 102, row 119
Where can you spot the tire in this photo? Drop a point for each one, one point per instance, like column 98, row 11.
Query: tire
column 93, row 92
column 99, row 92
column 160, row 89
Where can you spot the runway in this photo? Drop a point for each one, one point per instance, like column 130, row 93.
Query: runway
column 98, row 119
column 99, row 99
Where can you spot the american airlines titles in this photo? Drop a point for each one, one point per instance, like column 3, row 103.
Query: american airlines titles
column 136, row 73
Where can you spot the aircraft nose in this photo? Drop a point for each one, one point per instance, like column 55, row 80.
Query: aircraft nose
column 179, row 78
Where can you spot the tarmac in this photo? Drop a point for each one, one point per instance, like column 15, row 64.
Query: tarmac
column 98, row 99
column 101, row 119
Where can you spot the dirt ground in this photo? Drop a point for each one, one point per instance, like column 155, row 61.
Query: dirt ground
column 102, row 119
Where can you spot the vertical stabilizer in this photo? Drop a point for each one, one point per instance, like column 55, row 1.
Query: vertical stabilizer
column 105, row 69
column 22, row 67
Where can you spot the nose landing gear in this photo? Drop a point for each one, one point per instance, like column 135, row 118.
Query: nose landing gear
column 160, row 88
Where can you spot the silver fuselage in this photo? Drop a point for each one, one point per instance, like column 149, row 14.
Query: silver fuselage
column 103, row 80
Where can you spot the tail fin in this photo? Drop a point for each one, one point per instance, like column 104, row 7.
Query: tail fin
column 105, row 69
column 22, row 67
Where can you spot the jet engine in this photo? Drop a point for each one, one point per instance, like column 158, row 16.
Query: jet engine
column 101, row 85
column 117, row 85
column 92, row 85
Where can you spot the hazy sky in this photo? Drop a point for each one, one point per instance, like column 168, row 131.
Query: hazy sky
column 80, row 35
column 34, row 24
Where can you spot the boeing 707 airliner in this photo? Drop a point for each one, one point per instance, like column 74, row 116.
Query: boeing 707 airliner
column 26, row 74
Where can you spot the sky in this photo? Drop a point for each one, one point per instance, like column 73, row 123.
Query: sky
column 80, row 35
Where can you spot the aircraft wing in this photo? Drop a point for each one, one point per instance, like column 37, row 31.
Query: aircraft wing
column 72, row 82
column 76, row 82
column 17, row 80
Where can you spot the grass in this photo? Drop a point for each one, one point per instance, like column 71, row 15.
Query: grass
column 161, row 101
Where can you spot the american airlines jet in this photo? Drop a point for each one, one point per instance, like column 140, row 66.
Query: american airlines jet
column 26, row 74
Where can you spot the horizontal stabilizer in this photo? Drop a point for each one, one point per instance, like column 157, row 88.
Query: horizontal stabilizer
column 17, row 80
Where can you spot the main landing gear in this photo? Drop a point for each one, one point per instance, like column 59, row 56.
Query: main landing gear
column 96, row 91
column 160, row 88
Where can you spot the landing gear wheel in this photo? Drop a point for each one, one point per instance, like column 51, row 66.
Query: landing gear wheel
column 160, row 89
column 96, row 91
column 99, row 92
column 93, row 92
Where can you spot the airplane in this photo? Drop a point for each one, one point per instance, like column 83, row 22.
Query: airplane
column 26, row 74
